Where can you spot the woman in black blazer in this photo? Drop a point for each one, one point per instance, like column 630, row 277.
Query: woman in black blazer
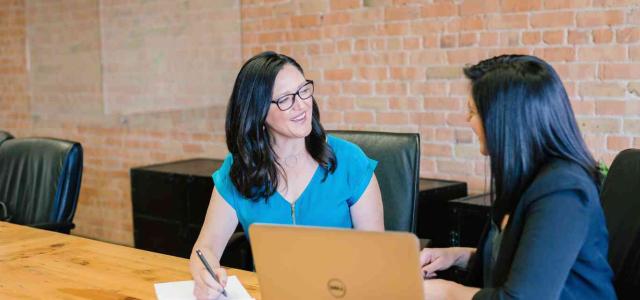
column 547, row 237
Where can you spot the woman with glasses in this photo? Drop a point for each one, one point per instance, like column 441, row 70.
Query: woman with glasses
column 546, row 237
column 282, row 167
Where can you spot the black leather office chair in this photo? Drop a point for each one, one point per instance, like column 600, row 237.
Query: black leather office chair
column 398, row 172
column 5, row 136
column 40, row 182
column 620, row 198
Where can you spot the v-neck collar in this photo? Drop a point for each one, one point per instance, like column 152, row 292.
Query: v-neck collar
column 306, row 188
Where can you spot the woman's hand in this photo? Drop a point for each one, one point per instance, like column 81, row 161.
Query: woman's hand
column 436, row 259
column 205, row 287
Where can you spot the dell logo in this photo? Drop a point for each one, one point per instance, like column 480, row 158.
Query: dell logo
column 336, row 288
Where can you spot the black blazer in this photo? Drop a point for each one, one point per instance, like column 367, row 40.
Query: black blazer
column 555, row 243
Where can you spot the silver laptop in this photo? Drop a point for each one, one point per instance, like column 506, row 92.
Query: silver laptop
column 296, row 262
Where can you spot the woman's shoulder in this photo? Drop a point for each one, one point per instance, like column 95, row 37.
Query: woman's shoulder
column 562, row 176
column 226, row 163
column 221, row 175
column 571, row 172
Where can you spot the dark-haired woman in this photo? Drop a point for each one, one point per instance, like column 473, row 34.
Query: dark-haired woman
column 546, row 237
column 282, row 167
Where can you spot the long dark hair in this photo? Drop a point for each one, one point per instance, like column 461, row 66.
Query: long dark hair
column 254, row 171
column 527, row 120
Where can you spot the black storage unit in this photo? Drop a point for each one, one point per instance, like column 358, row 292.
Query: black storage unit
column 433, row 222
column 468, row 216
column 169, row 204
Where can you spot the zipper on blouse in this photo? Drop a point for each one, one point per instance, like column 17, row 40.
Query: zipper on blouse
column 293, row 213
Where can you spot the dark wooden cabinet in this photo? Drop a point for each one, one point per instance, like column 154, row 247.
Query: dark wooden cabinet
column 467, row 218
column 434, row 196
column 169, row 204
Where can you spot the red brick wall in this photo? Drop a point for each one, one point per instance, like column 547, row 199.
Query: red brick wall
column 14, row 100
column 391, row 65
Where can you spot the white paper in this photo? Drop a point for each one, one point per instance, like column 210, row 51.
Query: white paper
column 183, row 290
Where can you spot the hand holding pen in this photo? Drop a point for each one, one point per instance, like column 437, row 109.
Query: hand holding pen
column 213, row 274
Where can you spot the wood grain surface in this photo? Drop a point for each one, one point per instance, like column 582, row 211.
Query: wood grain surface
column 39, row 264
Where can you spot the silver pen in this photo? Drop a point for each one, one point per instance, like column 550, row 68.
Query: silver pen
column 210, row 270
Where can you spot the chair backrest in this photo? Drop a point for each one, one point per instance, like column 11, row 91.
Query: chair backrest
column 5, row 136
column 620, row 198
column 40, row 179
column 398, row 156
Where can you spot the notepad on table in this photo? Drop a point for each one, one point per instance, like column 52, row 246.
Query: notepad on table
column 183, row 290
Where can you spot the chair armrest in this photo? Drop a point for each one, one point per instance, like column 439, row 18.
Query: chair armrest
column 58, row 227
column 238, row 253
column 454, row 273
column 236, row 238
column 424, row 243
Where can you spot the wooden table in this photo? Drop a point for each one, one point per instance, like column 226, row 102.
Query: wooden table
column 39, row 264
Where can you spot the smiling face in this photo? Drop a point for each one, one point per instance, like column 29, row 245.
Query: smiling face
column 294, row 122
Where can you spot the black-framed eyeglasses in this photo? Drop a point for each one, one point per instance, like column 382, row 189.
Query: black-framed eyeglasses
column 286, row 102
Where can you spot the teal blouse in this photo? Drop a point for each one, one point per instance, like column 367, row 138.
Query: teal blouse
column 322, row 203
